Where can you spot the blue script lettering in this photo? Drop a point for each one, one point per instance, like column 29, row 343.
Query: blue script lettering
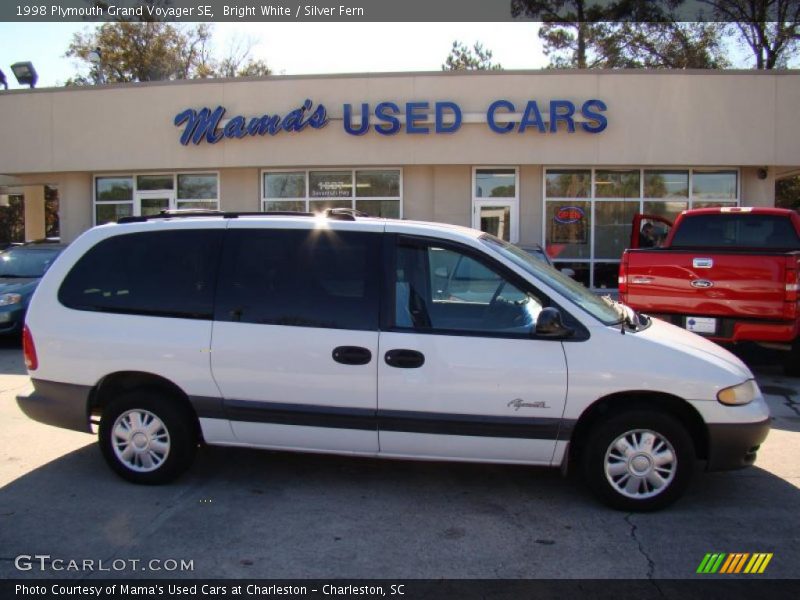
column 204, row 124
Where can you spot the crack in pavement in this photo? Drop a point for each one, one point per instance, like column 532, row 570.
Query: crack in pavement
column 651, row 565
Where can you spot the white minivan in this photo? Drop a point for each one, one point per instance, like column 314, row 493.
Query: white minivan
column 372, row 337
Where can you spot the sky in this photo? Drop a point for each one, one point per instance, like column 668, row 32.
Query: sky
column 300, row 48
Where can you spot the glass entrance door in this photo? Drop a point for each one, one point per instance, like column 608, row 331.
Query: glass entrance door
column 152, row 203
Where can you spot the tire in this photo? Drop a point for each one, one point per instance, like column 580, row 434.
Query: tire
column 791, row 362
column 162, row 428
column 632, row 480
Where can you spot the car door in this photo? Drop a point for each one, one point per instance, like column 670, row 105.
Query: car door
column 295, row 337
column 459, row 374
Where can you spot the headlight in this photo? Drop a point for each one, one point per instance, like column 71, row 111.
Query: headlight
column 6, row 299
column 737, row 395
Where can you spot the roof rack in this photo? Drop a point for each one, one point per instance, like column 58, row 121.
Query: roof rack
column 338, row 214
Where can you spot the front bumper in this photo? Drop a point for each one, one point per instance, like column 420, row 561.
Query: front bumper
column 734, row 445
column 11, row 318
column 59, row 404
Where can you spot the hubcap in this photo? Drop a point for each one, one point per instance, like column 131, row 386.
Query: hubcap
column 140, row 440
column 640, row 464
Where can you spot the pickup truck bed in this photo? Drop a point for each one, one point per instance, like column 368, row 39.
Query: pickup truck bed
column 738, row 287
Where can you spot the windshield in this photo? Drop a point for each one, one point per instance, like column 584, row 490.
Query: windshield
column 26, row 262
column 569, row 288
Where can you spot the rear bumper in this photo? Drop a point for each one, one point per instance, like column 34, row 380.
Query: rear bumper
column 740, row 330
column 734, row 445
column 59, row 404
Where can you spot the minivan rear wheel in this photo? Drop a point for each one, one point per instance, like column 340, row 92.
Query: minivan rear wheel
column 147, row 437
column 638, row 460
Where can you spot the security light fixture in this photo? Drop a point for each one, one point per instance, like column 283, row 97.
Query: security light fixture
column 3, row 80
column 25, row 73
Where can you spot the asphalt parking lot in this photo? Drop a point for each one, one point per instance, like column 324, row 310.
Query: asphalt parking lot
column 252, row 514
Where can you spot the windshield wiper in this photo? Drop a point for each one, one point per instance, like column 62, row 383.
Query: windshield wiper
column 13, row 276
column 626, row 313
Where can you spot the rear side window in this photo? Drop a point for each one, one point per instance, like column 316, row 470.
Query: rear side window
column 164, row 273
column 737, row 231
column 300, row 277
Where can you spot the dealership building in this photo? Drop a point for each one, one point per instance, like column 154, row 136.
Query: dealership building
column 558, row 158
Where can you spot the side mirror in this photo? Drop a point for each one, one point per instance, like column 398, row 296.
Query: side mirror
column 441, row 272
column 549, row 324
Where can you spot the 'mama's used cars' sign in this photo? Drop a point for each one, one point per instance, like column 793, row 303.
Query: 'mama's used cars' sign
column 389, row 118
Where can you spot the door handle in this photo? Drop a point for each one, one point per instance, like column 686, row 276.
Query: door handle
column 404, row 359
column 351, row 355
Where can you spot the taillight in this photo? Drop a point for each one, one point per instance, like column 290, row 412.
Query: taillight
column 790, row 295
column 29, row 350
column 622, row 279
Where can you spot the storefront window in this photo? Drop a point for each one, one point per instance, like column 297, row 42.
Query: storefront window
column 373, row 191
column 114, row 198
column 285, row 185
column 717, row 185
column 120, row 196
column 587, row 228
column 612, row 227
column 197, row 190
column 568, row 183
column 378, row 184
column 330, row 184
column 495, row 183
column 568, row 229
column 667, row 210
column 666, row 184
column 616, row 184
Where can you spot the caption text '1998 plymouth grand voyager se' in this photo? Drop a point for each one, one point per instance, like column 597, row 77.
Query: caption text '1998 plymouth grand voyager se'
column 361, row 336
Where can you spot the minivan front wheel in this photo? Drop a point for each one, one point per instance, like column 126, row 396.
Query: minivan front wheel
column 639, row 460
column 146, row 437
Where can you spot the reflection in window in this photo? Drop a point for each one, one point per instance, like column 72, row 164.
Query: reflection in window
column 285, row 185
column 612, row 228
column 495, row 183
column 616, row 184
column 496, row 220
column 154, row 182
column 568, row 183
column 714, row 185
column 373, row 191
column 666, row 184
column 376, row 183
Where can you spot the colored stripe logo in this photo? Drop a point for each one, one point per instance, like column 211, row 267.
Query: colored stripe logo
column 736, row 562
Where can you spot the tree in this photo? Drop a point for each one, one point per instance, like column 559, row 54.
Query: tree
column 770, row 28
column 130, row 51
column 463, row 58
column 622, row 34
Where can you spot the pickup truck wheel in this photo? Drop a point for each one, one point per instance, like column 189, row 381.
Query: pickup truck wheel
column 791, row 362
column 146, row 437
column 638, row 460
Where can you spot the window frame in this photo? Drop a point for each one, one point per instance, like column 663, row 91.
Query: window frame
column 307, row 199
column 134, row 202
column 389, row 304
column 592, row 199
column 479, row 202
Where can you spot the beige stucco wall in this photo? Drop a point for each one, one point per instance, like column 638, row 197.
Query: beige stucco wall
column 665, row 118
column 34, row 212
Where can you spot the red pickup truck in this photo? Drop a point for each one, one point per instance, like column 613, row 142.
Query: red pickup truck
column 729, row 274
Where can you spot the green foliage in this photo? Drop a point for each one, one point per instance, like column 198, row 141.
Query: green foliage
column 463, row 58
column 787, row 192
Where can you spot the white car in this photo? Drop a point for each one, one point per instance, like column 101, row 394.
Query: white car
column 354, row 336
